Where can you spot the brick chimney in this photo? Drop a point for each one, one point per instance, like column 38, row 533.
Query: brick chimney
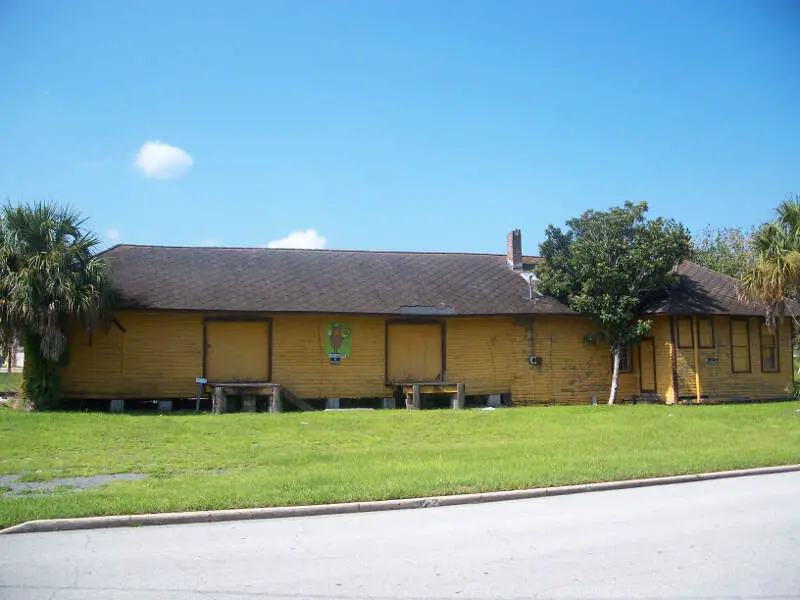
column 515, row 249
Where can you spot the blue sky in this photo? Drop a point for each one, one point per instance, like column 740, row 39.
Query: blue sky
column 404, row 125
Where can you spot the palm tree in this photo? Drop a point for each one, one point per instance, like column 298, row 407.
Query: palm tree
column 7, row 333
column 775, row 275
column 48, row 273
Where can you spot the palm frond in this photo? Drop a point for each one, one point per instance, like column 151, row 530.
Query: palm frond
column 775, row 275
column 48, row 273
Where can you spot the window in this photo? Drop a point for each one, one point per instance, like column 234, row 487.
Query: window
column 685, row 338
column 705, row 332
column 769, row 350
column 740, row 345
column 625, row 360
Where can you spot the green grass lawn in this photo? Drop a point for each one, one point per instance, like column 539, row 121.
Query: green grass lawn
column 10, row 381
column 200, row 462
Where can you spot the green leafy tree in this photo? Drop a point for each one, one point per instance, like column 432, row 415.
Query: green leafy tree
column 49, row 273
column 607, row 265
column 774, row 275
column 726, row 250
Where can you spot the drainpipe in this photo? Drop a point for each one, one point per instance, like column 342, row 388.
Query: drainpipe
column 695, row 344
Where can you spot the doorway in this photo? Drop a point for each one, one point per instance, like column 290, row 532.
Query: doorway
column 647, row 365
column 237, row 351
column 414, row 352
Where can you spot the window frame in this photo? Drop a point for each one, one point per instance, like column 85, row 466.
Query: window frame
column 629, row 353
column 678, row 331
column 776, row 348
column 746, row 322
column 713, row 332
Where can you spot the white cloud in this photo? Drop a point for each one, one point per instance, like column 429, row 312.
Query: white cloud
column 209, row 241
column 300, row 239
column 112, row 236
column 158, row 160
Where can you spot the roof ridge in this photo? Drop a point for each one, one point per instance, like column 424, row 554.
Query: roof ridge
column 109, row 249
column 321, row 250
column 717, row 273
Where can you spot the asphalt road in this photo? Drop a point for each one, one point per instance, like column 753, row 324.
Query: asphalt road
column 730, row 538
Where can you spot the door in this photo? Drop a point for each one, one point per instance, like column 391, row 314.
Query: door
column 647, row 365
column 414, row 352
column 237, row 351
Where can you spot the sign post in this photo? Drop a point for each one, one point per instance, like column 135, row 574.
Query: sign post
column 200, row 381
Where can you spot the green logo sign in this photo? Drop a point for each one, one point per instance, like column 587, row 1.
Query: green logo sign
column 338, row 340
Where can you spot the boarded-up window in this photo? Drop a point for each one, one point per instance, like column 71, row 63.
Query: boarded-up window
column 685, row 339
column 705, row 332
column 740, row 346
column 769, row 350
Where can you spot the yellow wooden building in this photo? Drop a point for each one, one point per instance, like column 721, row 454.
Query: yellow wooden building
column 329, row 325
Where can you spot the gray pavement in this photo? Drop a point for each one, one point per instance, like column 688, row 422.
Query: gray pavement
column 730, row 538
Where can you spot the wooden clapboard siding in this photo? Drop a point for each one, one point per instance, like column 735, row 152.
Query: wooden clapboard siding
column 572, row 371
column 301, row 364
column 483, row 353
column 663, row 348
column 162, row 354
column 95, row 361
column 490, row 355
column 158, row 355
column 718, row 381
column 580, row 370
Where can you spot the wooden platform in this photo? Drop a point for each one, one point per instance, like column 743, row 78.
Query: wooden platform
column 413, row 391
column 223, row 389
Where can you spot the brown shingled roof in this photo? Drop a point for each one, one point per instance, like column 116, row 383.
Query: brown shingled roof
column 702, row 291
column 324, row 281
column 380, row 283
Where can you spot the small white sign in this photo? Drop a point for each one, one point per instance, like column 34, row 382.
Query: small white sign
column 200, row 380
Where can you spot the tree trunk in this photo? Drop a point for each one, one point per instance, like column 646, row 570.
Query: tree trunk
column 614, row 377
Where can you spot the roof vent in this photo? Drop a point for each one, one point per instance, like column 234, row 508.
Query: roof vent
column 531, row 278
column 439, row 309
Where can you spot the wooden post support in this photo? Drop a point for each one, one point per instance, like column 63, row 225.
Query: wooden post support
column 276, row 405
column 219, row 401
column 416, row 397
column 696, row 343
column 460, row 396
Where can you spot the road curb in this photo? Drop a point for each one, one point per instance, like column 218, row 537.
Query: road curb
column 243, row 514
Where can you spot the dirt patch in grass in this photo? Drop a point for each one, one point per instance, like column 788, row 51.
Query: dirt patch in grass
column 15, row 484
